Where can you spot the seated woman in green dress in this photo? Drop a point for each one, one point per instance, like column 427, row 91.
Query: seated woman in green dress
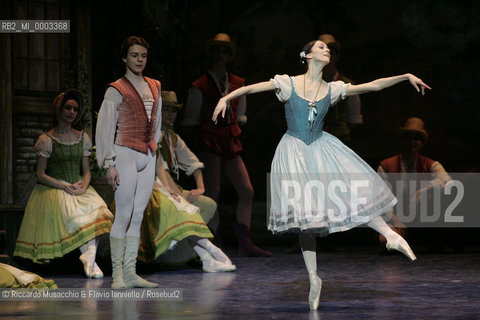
column 63, row 212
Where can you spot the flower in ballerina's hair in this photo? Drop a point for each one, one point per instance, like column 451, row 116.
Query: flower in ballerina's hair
column 303, row 57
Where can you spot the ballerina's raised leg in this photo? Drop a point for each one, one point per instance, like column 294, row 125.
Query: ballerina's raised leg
column 394, row 240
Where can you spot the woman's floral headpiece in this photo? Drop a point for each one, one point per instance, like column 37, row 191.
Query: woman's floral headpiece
column 303, row 56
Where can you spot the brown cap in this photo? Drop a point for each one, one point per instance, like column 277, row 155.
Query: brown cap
column 415, row 125
column 222, row 39
column 169, row 99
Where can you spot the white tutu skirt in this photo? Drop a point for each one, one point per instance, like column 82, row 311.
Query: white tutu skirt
column 323, row 188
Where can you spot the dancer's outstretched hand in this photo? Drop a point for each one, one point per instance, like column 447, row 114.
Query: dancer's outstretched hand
column 220, row 108
column 418, row 83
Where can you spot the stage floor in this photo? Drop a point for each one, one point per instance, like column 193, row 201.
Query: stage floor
column 358, row 283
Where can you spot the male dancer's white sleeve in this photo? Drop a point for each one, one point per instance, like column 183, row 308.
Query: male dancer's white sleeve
column 106, row 126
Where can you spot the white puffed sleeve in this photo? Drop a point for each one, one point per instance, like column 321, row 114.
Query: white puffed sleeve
column 338, row 91
column 187, row 160
column 87, row 145
column 43, row 146
column 440, row 176
column 283, row 86
column 106, row 126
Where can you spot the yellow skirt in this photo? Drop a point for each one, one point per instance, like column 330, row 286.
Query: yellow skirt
column 56, row 223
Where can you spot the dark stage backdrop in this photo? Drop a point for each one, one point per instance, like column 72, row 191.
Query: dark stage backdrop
column 436, row 40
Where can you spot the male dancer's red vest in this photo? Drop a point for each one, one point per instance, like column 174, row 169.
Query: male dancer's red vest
column 393, row 164
column 134, row 130
column 227, row 126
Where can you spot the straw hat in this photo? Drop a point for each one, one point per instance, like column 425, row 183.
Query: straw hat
column 169, row 99
column 415, row 125
column 222, row 39
column 69, row 94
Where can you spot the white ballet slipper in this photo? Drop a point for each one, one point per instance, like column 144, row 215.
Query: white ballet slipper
column 88, row 260
column 97, row 272
column 216, row 251
column 315, row 290
column 402, row 246
column 212, row 265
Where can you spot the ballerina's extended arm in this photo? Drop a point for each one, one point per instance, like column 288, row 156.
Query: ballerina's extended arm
column 383, row 83
column 253, row 88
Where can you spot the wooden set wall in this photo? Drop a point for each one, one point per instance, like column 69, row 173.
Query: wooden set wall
column 35, row 68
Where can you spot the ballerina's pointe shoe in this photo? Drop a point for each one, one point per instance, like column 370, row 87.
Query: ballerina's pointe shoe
column 402, row 246
column 97, row 272
column 86, row 266
column 212, row 265
column 218, row 254
column 315, row 290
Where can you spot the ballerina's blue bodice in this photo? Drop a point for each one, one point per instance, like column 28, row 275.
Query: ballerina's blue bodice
column 303, row 121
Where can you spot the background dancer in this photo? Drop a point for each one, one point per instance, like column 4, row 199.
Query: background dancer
column 218, row 145
column 64, row 212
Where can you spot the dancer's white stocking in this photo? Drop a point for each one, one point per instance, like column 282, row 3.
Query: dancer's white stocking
column 308, row 245
column 137, row 175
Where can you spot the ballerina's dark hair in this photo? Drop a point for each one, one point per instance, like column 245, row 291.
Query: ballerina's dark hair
column 306, row 50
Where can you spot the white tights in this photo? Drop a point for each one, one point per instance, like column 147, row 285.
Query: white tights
column 379, row 225
column 136, row 174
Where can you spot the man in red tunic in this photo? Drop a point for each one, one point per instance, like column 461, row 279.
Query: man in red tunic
column 218, row 145
column 409, row 165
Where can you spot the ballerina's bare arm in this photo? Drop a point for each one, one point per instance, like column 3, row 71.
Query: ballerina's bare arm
column 383, row 83
column 253, row 88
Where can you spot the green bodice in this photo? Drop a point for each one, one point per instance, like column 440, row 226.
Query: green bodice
column 65, row 162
